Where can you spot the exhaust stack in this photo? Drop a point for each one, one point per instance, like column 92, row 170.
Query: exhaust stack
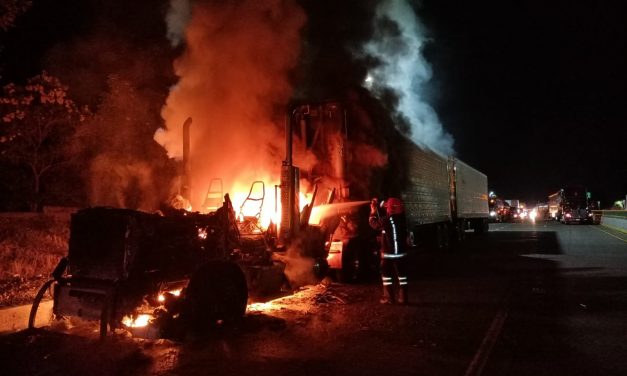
column 290, row 177
column 186, row 184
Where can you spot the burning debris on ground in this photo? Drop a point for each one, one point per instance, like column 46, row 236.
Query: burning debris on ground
column 312, row 315
column 302, row 301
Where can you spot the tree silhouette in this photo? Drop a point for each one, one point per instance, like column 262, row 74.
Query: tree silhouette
column 126, row 167
column 10, row 10
column 37, row 124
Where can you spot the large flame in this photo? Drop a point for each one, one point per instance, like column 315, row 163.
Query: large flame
column 270, row 211
column 233, row 82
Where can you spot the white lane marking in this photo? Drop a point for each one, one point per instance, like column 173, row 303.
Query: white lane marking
column 617, row 237
column 475, row 368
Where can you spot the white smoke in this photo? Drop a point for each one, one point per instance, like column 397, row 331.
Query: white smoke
column 177, row 18
column 398, row 45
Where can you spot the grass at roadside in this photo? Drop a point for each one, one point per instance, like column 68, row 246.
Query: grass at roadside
column 32, row 244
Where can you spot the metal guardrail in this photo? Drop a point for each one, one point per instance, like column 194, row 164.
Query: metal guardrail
column 613, row 218
column 614, row 213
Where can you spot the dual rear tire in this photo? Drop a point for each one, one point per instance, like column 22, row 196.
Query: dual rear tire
column 217, row 292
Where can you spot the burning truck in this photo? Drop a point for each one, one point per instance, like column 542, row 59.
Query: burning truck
column 126, row 267
column 443, row 196
column 180, row 270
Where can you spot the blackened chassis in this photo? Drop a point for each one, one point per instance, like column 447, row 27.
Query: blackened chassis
column 120, row 261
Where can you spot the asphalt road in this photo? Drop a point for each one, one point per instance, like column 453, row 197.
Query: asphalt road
column 525, row 299
column 567, row 312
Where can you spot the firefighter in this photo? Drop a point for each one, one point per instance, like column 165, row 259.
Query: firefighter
column 393, row 243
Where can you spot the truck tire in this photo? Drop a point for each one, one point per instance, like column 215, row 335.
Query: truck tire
column 360, row 261
column 351, row 264
column 442, row 236
column 460, row 231
column 216, row 292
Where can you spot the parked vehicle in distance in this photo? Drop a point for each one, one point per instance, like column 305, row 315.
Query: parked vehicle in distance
column 497, row 208
column 555, row 205
column 523, row 214
column 572, row 204
column 511, row 214
column 575, row 208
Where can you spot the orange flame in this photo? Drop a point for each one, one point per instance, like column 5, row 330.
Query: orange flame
column 161, row 297
column 136, row 322
column 232, row 97
column 267, row 212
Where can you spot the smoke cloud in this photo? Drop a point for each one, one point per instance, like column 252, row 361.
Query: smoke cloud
column 397, row 43
column 233, row 82
column 177, row 18
column 122, row 182
column 299, row 269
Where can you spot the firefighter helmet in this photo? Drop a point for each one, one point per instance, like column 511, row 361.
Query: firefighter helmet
column 394, row 205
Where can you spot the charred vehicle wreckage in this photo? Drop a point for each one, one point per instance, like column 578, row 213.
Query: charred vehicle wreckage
column 179, row 271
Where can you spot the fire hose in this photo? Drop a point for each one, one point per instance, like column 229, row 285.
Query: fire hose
column 56, row 276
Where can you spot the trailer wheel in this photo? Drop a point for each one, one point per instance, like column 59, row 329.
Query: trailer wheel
column 460, row 231
column 443, row 236
column 446, row 236
column 216, row 292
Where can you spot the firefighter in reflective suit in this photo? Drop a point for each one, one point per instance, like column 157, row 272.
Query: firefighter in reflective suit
column 393, row 241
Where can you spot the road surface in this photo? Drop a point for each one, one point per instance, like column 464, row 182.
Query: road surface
column 525, row 299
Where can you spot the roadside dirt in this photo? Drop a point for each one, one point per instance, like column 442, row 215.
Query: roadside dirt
column 320, row 328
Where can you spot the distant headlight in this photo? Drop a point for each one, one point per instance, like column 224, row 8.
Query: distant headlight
column 590, row 214
column 568, row 215
column 493, row 214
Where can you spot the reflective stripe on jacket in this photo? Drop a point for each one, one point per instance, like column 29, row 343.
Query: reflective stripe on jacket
column 393, row 235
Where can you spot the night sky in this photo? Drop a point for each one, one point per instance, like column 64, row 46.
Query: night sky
column 533, row 93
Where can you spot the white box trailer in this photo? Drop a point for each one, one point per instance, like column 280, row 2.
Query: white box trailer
column 427, row 195
column 469, row 195
column 443, row 197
